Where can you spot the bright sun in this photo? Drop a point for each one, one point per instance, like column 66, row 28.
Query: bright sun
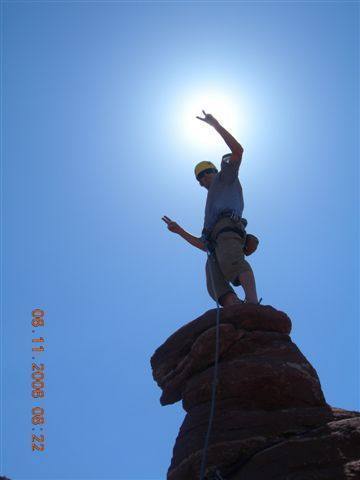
column 219, row 106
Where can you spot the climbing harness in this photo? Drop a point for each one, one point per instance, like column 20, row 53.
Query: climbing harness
column 234, row 216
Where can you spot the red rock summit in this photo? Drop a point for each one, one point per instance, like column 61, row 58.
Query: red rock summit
column 271, row 419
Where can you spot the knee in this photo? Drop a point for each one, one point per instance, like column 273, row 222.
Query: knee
column 245, row 268
column 229, row 298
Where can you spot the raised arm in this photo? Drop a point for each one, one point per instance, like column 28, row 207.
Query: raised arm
column 174, row 227
column 234, row 145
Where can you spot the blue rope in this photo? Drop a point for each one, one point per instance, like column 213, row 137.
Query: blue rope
column 215, row 380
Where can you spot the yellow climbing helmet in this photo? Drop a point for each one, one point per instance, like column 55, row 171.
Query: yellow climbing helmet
column 202, row 166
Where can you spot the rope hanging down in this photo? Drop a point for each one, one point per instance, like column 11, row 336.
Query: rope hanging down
column 211, row 257
column 215, row 379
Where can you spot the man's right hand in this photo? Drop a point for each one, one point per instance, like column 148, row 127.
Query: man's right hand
column 172, row 226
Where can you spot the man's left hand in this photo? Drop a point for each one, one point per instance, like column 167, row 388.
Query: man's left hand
column 208, row 118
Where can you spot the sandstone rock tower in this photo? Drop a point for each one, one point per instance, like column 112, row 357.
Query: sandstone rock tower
column 271, row 419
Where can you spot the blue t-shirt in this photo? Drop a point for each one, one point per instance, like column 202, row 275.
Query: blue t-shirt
column 225, row 193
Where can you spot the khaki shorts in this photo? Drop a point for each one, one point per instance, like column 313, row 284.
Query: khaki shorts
column 229, row 260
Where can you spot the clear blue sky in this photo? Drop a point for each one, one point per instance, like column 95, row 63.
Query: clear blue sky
column 96, row 148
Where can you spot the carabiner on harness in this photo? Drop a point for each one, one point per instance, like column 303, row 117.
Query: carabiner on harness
column 209, row 244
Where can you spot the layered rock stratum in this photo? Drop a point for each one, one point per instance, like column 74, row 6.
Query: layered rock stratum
column 271, row 419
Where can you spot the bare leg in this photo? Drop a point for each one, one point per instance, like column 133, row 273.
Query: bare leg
column 247, row 281
column 228, row 299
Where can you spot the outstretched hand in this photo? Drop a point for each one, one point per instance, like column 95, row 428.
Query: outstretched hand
column 208, row 118
column 172, row 226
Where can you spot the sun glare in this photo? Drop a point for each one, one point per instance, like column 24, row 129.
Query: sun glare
column 220, row 106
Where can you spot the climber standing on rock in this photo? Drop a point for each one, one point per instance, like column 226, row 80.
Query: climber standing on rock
column 224, row 232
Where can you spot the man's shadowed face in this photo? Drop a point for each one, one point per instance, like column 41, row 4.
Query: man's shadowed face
column 206, row 180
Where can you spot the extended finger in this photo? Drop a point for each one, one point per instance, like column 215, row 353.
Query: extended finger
column 203, row 119
column 204, row 112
